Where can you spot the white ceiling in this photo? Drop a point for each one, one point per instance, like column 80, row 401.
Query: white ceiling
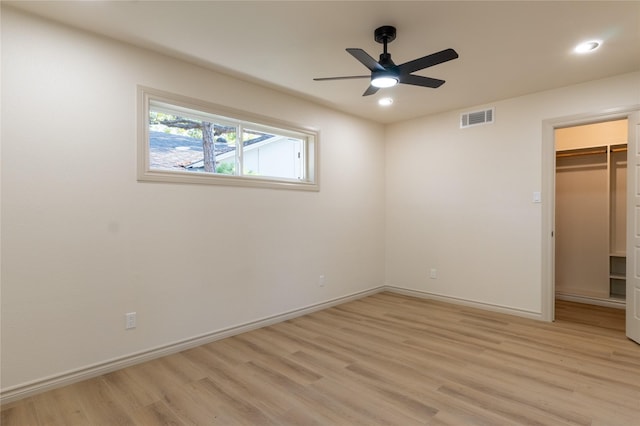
column 506, row 48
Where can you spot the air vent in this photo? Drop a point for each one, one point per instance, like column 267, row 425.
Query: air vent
column 477, row 118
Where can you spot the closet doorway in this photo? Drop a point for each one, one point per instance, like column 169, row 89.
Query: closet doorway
column 591, row 213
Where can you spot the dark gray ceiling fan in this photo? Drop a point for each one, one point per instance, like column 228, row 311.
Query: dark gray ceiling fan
column 385, row 73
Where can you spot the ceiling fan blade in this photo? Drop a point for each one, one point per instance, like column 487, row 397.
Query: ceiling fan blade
column 370, row 90
column 350, row 77
column 418, row 80
column 427, row 61
column 365, row 59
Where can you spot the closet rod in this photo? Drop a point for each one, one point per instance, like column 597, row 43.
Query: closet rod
column 579, row 153
column 591, row 152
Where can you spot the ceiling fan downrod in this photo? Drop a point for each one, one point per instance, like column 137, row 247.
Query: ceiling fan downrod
column 385, row 34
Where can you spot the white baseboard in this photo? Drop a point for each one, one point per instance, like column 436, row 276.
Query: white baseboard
column 610, row 303
column 27, row 389
column 15, row 393
column 465, row 302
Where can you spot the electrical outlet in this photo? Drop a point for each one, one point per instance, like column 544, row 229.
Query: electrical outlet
column 321, row 281
column 433, row 274
column 130, row 320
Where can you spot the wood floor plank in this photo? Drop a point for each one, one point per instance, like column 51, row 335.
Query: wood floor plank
column 191, row 406
column 132, row 393
column 62, row 408
column 157, row 414
column 513, row 413
column 235, row 381
column 301, row 398
column 242, row 410
column 386, row 359
column 25, row 413
column 100, row 404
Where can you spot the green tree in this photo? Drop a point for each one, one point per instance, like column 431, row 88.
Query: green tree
column 208, row 131
column 226, row 169
column 204, row 130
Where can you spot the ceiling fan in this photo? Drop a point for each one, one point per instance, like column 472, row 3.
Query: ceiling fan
column 385, row 73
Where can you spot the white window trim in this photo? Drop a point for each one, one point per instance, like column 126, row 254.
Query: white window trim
column 146, row 174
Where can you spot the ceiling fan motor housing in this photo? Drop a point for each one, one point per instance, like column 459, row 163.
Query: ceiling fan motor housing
column 384, row 34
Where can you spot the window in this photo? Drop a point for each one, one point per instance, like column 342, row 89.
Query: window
column 190, row 141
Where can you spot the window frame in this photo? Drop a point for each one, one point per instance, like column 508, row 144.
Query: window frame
column 309, row 136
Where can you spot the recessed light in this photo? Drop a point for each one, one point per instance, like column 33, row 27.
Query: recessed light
column 385, row 101
column 587, row 46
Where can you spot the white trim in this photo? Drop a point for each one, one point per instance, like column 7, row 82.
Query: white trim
column 196, row 108
column 465, row 302
column 24, row 390
column 610, row 303
column 547, row 283
column 15, row 393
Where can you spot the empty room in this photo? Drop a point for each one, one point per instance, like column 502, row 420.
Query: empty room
column 431, row 216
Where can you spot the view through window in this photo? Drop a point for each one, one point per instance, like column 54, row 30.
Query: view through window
column 182, row 141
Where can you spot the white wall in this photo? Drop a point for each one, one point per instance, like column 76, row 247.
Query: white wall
column 460, row 200
column 83, row 242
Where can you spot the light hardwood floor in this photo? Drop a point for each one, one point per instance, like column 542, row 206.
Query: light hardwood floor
column 385, row 359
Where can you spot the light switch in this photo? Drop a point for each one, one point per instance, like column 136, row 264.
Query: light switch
column 537, row 197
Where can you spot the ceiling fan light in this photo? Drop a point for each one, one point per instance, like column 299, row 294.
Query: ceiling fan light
column 384, row 81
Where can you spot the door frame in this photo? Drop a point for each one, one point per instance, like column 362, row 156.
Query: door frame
column 548, row 285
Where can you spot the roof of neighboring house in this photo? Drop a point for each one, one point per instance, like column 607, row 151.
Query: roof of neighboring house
column 170, row 151
column 251, row 144
column 163, row 142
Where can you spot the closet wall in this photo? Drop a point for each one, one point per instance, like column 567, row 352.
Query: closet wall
column 591, row 177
